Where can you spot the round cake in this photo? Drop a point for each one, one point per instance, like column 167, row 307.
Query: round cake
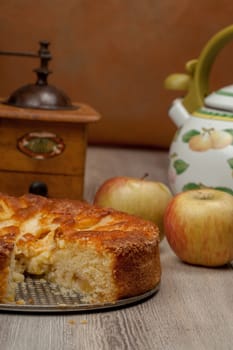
column 103, row 254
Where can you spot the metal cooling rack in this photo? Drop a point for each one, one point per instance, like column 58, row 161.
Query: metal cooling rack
column 38, row 295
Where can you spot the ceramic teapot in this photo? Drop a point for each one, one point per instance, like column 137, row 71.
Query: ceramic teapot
column 201, row 153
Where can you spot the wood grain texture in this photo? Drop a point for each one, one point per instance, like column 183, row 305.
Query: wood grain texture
column 81, row 114
column 192, row 310
column 63, row 173
column 59, row 185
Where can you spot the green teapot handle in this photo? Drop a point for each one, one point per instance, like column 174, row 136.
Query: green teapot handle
column 196, row 78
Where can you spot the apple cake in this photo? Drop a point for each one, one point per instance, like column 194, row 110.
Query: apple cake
column 103, row 254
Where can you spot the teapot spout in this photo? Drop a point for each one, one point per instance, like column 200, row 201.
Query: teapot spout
column 178, row 114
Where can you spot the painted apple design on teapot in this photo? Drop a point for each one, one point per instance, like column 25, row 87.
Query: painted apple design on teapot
column 210, row 139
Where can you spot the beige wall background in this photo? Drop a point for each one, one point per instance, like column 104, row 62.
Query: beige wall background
column 115, row 55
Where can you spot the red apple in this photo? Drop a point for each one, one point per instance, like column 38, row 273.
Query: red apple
column 198, row 225
column 146, row 199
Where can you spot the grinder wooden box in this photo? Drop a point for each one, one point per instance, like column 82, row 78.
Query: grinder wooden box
column 45, row 147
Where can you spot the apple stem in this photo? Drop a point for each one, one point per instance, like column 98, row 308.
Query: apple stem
column 144, row 176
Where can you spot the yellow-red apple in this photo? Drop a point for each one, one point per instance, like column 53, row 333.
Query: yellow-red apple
column 198, row 225
column 146, row 199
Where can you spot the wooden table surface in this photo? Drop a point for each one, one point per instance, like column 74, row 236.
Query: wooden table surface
column 192, row 310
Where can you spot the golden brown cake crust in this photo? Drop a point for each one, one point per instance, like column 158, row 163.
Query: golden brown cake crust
column 7, row 242
column 133, row 242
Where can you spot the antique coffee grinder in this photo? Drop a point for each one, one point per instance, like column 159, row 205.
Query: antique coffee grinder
column 43, row 137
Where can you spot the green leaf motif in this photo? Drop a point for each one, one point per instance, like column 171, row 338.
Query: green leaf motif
column 180, row 166
column 191, row 186
column 230, row 162
column 194, row 186
column 230, row 131
column 173, row 155
column 225, row 189
column 188, row 135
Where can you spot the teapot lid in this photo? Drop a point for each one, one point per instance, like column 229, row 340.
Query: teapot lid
column 221, row 99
